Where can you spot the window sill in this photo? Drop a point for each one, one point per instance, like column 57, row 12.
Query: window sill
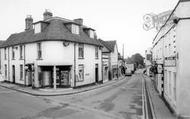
column 21, row 59
column 81, row 58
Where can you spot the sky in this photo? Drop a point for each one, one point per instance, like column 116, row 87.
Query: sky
column 119, row 20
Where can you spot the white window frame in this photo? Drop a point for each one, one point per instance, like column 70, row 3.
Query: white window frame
column 91, row 34
column 81, row 51
column 96, row 52
column 75, row 29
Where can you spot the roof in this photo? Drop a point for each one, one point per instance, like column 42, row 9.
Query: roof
column 1, row 42
column 55, row 30
column 110, row 45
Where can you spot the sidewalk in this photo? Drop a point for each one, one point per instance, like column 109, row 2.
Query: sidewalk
column 55, row 92
column 160, row 109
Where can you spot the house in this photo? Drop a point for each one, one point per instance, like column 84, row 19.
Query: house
column 54, row 52
column 171, row 53
column 110, row 60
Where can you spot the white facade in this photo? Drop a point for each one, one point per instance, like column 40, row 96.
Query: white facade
column 171, row 49
column 54, row 53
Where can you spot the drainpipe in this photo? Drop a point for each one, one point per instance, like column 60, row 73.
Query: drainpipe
column 74, row 65
column 102, row 65
column 24, row 66
column 8, row 65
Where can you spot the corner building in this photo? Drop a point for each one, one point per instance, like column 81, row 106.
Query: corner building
column 55, row 52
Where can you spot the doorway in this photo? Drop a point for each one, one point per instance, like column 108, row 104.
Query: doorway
column 13, row 73
column 96, row 73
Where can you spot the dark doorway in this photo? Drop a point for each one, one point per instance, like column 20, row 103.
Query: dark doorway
column 13, row 73
column 96, row 73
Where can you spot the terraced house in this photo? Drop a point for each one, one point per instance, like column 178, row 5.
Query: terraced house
column 110, row 60
column 171, row 53
column 54, row 52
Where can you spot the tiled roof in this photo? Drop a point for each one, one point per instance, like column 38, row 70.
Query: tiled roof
column 55, row 30
column 109, row 44
column 1, row 42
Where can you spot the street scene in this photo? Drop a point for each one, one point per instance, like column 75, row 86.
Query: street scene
column 113, row 59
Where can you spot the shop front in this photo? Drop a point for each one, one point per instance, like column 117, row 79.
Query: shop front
column 46, row 77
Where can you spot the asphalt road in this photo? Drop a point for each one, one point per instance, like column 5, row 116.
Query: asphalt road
column 16, row 105
column 122, row 100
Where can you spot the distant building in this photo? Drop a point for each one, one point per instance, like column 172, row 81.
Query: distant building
column 171, row 54
column 110, row 60
column 148, row 60
column 54, row 52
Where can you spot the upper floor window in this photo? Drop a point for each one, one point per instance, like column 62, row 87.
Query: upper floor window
column 91, row 34
column 96, row 52
column 21, row 51
column 5, row 53
column 37, row 28
column 13, row 53
column 39, row 51
column 75, row 29
column 81, row 51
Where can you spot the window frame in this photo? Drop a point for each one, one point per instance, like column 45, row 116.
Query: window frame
column 75, row 29
column 80, row 67
column 21, row 51
column 5, row 53
column 96, row 52
column 21, row 72
column 81, row 51
column 39, row 50
column 13, row 53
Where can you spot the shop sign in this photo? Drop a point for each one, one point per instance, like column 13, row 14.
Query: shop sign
column 170, row 62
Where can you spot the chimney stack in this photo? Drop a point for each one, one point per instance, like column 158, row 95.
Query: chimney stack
column 79, row 21
column 28, row 22
column 47, row 14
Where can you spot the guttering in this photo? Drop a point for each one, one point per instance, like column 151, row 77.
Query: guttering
column 74, row 65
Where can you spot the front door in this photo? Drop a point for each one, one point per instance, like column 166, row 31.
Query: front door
column 13, row 73
column 96, row 73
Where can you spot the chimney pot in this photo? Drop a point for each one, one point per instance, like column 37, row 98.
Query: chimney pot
column 28, row 22
column 47, row 14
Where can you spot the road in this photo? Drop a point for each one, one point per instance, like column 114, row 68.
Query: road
column 122, row 100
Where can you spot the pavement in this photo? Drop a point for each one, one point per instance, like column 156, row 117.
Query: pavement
column 55, row 92
column 160, row 110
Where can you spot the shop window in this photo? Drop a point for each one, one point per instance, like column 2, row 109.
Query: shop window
column 81, row 72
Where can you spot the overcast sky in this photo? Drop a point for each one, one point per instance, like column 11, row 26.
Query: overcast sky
column 119, row 20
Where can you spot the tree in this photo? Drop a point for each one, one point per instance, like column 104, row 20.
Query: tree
column 136, row 59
